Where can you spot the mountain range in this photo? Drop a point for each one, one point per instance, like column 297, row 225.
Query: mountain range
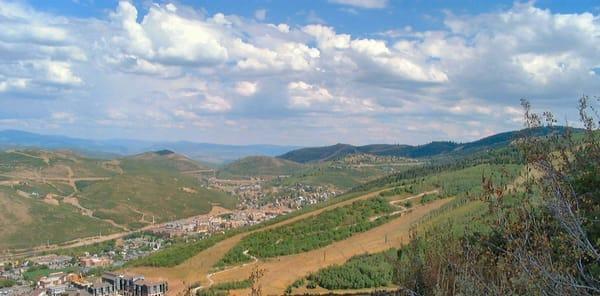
column 220, row 153
column 205, row 152
column 433, row 149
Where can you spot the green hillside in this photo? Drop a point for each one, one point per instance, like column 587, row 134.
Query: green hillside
column 259, row 166
column 437, row 148
column 57, row 196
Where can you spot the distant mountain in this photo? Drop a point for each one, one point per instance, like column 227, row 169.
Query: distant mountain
column 438, row 148
column 205, row 152
column 260, row 166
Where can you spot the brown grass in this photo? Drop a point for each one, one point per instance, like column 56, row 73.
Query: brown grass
column 284, row 270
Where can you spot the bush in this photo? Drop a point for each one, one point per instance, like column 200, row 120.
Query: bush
column 363, row 271
column 5, row 283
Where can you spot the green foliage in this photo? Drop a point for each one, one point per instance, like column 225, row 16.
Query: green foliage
column 32, row 222
column 34, row 273
column 6, row 283
column 9, row 161
column 222, row 289
column 429, row 198
column 157, row 193
column 259, row 166
column 178, row 253
column 536, row 235
column 393, row 192
column 233, row 285
column 97, row 248
column 362, row 271
column 311, row 233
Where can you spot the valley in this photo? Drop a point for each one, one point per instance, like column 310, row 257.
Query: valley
column 341, row 223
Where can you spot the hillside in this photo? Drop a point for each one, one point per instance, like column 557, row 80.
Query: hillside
column 58, row 196
column 437, row 148
column 260, row 166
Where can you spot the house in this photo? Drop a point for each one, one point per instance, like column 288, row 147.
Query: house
column 53, row 279
column 53, row 261
column 134, row 285
column 92, row 261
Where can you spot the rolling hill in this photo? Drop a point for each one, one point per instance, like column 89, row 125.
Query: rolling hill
column 58, row 196
column 260, row 166
column 433, row 149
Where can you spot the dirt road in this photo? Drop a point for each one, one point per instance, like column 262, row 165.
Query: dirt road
column 278, row 274
column 198, row 267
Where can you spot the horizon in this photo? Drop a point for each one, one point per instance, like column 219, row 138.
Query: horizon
column 257, row 144
column 292, row 74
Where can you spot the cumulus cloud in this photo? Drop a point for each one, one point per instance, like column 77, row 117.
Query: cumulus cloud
column 173, row 66
column 166, row 37
column 303, row 94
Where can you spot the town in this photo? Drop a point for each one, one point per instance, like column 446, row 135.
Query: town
column 88, row 273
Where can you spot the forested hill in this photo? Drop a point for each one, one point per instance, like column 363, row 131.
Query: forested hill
column 319, row 154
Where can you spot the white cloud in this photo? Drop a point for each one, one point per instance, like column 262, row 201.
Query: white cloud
column 13, row 84
column 57, row 72
column 246, row 88
column 166, row 37
column 174, row 66
column 327, row 38
column 304, row 95
column 363, row 3
column 215, row 104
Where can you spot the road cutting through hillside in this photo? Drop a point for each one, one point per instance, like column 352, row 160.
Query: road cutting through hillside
column 196, row 269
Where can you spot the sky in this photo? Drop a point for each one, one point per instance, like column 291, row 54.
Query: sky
column 301, row 73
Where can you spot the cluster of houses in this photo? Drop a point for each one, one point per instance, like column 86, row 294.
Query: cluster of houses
column 110, row 284
column 208, row 224
column 300, row 195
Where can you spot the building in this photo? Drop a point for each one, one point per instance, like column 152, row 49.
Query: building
column 93, row 261
column 53, row 261
column 52, row 280
column 101, row 289
column 56, row 290
column 134, row 285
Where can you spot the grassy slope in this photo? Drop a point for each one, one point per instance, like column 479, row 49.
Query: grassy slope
column 259, row 166
column 461, row 214
column 30, row 222
column 340, row 177
column 153, row 187
column 149, row 183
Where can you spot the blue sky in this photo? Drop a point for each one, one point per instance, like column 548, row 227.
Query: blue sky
column 292, row 72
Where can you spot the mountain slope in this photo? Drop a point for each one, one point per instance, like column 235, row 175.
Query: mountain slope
column 57, row 196
column 438, row 148
column 260, row 166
